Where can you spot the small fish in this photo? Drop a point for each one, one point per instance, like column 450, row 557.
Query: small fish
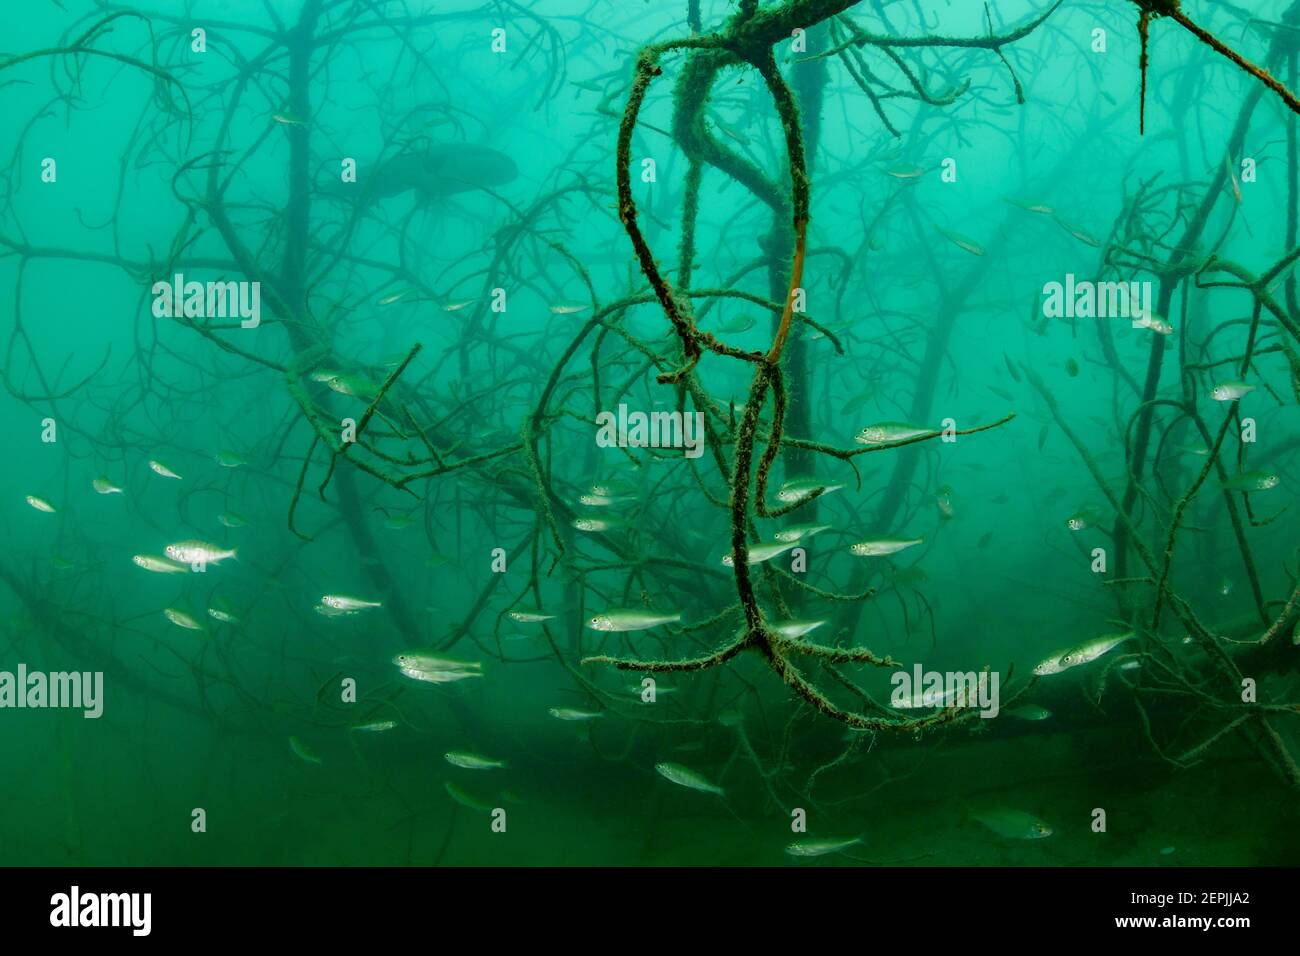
column 285, row 118
column 1084, row 653
column 798, row 532
column 197, row 552
column 878, row 547
column 357, row 386
column 456, row 305
column 105, row 487
column 1252, row 481
column 524, row 616
column 685, row 777
column 159, row 468
column 961, row 242
column 220, row 610
column 943, row 501
column 393, row 297
column 1071, row 368
column 795, row 628
column 466, row 799
column 811, row 848
column 61, row 563
column 439, row 676
column 1154, row 323
column 628, row 619
column 232, row 520
column 469, row 761
column 1232, row 177
column 1231, row 390
column 926, row 699
column 568, row 308
column 397, row 522
column 375, row 726
column 905, row 172
column 1001, row 393
column 857, row 401
column 1011, row 368
column 231, row 459
column 730, row 131
column 612, row 489
column 40, row 504
column 1084, row 518
column 160, row 565
column 1030, row 712
column 302, row 751
column 1042, row 436
column 597, row 525
column 758, row 553
column 797, row 489
column 1012, row 824
column 1041, row 208
column 884, row 433
column 425, row 660
column 181, row 619
column 738, row 325
column 1225, row 586
column 601, row 501
column 569, row 713
column 346, row 602
column 434, row 668
column 1089, row 651
column 1079, row 234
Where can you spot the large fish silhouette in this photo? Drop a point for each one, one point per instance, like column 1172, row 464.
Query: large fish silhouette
column 433, row 173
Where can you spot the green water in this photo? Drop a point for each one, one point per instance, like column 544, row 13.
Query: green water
column 429, row 421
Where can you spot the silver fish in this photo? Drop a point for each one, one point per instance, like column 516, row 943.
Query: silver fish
column 799, row 531
column 758, row 553
column 152, row 562
column 810, row 848
column 469, row 761
column 568, row 713
column 878, row 547
column 685, row 777
column 181, row 619
column 197, row 552
column 1231, row 390
column 884, row 433
column 1012, row 824
column 105, row 487
column 628, row 619
column 346, row 602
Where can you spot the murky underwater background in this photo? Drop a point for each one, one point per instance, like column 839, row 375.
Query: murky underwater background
column 932, row 235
